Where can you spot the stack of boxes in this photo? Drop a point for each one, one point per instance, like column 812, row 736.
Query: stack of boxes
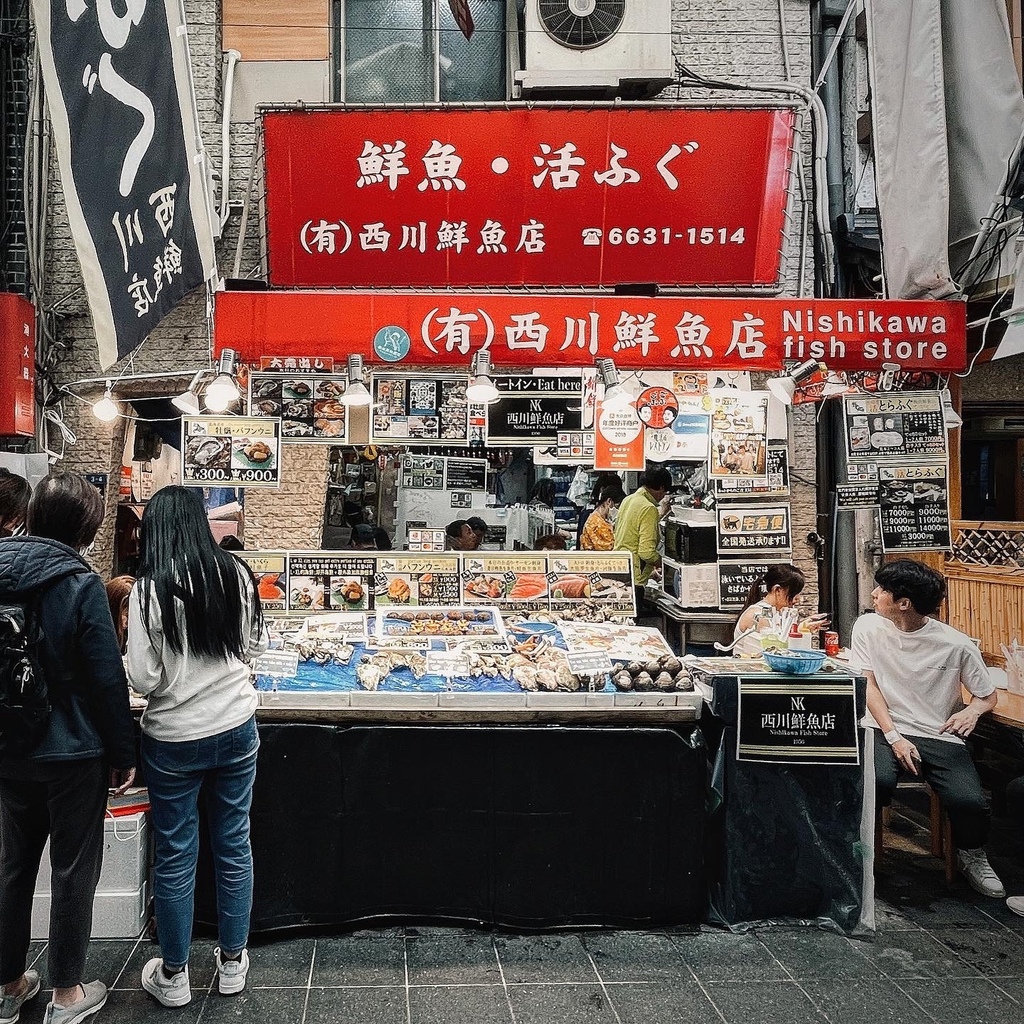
column 121, row 908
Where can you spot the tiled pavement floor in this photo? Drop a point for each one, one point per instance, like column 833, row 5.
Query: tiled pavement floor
column 940, row 955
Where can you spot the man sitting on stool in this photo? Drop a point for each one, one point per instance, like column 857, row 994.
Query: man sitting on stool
column 915, row 666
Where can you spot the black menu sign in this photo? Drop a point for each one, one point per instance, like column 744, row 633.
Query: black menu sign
column 736, row 579
column 534, row 410
column 857, row 495
column 914, row 502
column 896, row 426
column 466, row 474
column 805, row 720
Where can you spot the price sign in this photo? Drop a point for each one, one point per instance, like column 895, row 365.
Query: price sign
column 278, row 664
column 447, row 663
column 230, row 451
column 589, row 663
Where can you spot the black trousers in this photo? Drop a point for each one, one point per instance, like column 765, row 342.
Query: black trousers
column 949, row 770
column 64, row 801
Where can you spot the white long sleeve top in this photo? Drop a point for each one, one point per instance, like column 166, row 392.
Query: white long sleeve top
column 190, row 696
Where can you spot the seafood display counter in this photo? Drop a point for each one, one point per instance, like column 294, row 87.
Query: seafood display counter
column 791, row 814
column 462, row 664
column 470, row 738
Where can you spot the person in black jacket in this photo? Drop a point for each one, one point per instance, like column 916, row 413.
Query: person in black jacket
column 58, row 790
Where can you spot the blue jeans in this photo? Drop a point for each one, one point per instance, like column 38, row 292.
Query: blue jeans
column 224, row 767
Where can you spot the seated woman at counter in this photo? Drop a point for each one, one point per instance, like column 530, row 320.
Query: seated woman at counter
column 598, row 534
column 775, row 591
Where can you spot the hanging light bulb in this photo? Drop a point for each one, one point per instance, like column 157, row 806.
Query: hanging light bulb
column 356, row 392
column 106, row 410
column 615, row 395
column 188, row 401
column 481, row 389
column 224, row 391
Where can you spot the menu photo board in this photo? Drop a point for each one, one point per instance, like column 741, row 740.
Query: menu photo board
column 416, row 579
column 419, row 409
column 308, row 404
column 230, row 451
column 271, row 571
column 320, row 581
column 510, row 582
column 534, row 410
column 596, row 577
column 895, row 426
column 774, row 484
column 735, row 581
column 914, row 507
column 753, row 528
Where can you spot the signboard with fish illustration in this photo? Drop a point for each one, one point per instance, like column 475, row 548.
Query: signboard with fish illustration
column 531, row 582
column 308, row 405
column 413, row 580
column 600, row 579
column 510, row 582
column 271, row 571
column 230, row 451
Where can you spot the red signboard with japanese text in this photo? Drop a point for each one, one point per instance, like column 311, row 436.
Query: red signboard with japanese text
column 525, row 196
column 677, row 332
column 17, row 365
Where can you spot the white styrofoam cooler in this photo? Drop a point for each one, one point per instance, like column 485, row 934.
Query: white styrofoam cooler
column 122, row 896
column 115, row 915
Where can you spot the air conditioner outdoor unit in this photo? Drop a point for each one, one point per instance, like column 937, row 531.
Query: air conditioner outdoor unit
column 617, row 47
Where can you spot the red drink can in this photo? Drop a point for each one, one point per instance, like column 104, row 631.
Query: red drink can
column 831, row 644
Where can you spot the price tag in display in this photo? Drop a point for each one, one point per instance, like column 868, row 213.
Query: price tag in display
column 447, row 663
column 589, row 663
column 278, row 664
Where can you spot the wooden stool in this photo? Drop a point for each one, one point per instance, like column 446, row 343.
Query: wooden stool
column 940, row 832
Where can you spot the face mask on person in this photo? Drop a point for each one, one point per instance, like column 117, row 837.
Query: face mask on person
column 613, row 513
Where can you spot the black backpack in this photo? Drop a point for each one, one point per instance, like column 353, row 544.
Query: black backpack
column 24, row 698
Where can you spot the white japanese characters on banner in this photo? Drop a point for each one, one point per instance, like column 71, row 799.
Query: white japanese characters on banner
column 119, row 90
column 583, row 193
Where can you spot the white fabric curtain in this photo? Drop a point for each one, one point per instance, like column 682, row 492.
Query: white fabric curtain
column 947, row 113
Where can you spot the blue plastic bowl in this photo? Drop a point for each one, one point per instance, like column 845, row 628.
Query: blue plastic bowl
column 524, row 630
column 795, row 663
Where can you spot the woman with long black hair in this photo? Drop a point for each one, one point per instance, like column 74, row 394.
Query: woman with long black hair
column 194, row 621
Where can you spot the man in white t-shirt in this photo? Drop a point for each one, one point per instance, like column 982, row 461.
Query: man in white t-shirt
column 915, row 667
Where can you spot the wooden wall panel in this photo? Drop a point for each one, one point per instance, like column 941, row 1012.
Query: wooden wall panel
column 277, row 29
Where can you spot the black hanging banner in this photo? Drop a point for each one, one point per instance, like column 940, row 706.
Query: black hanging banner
column 119, row 89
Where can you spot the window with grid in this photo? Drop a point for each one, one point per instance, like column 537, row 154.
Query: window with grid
column 412, row 51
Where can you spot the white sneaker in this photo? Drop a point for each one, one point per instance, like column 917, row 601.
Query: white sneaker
column 1016, row 904
column 231, row 973
column 976, row 869
column 174, row 991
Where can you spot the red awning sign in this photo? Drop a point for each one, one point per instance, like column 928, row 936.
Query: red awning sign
column 676, row 333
